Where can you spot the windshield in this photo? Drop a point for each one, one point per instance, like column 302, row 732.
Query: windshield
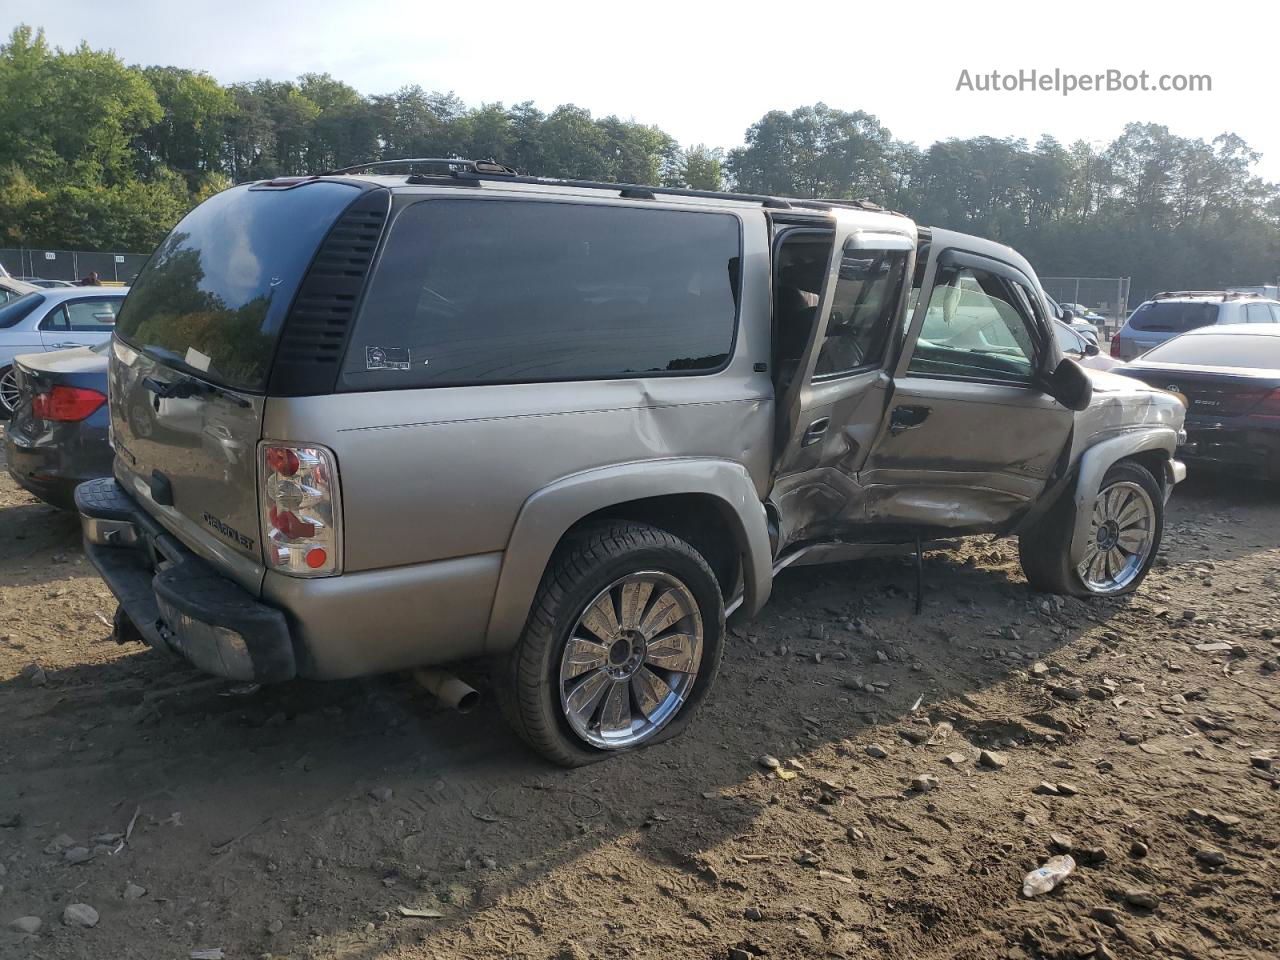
column 1219, row 350
column 1173, row 316
column 18, row 310
column 213, row 297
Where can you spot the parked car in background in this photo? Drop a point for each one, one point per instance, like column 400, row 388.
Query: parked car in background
column 11, row 289
column 1062, row 312
column 1081, row 349
column 1166, row 315
column 570, row 426
column 57, row 436
column 1085, row 321
column 1230, row 377
column 42, row 282
column 53, row 319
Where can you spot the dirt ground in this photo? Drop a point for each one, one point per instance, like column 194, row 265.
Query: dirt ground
column 297, row 821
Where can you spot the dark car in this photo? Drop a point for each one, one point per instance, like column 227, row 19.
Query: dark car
column 57, row 437
column 1230, row 377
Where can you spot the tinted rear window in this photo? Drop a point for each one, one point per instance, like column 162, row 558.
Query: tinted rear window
column 213, row 296
column 15, row 311
column 1171, row 316
column 1219, row 350
column 498, row 291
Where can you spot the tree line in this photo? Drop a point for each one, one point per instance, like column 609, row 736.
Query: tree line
column 96, row 154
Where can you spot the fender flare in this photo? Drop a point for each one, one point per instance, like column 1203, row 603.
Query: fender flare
column 1094, row 464
column 548, row 513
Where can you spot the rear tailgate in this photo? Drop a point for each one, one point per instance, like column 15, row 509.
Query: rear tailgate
column 192, row 355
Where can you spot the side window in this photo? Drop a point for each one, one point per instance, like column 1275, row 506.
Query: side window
column 1258, row 313
column 498, row 291
column 863, row 309
column 56, row 319
column 972, row 330
column 1275, row 312
column 92, row 316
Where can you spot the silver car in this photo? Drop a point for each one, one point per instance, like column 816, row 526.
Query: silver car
column 53, row 319
column 365, row 423
column 1167, row 315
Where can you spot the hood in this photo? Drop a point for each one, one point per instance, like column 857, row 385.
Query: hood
column 1121, row 404
column 1107, row 383
column 19, row 287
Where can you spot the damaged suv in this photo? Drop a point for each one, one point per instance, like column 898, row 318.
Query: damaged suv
column 372, row 421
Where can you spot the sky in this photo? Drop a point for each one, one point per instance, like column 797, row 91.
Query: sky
column 704, row 73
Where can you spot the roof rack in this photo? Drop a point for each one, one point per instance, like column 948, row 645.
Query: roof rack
column 454, row 164
column 460, row 169
column 1221, row 294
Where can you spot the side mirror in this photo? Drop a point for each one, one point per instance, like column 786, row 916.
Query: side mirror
column 1068, row 315
column 1069, row 385
column 1091, row 349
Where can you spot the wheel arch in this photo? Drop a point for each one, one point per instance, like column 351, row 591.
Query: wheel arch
column 710, row 503
column 1152, row 449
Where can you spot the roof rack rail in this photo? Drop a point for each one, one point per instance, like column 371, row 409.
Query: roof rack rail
column 856, row 204
column 455, row 164
column 636, row 191
column 460, row 168
column 1223, row 294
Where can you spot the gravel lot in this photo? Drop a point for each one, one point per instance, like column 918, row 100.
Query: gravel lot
column 298, row 821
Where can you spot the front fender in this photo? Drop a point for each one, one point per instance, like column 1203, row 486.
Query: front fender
column 1094, row 464
column 548, row 513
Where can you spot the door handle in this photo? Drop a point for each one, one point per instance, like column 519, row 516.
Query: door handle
column 66, row 345
column 904, row 418
column 815, row 431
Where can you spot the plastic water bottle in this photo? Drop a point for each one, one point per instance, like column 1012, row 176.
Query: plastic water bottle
column 1043, row 879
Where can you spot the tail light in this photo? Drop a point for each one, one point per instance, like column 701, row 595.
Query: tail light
column 1268, row 406
column 300, row 509
column 67, row 404
column 1115, row 348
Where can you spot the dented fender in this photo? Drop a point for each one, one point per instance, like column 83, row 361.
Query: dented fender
column 548, row 513
column 1097, row 460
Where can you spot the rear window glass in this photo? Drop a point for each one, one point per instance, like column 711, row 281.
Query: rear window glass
column 1220, row 350
column 212, row 298
column 1171, row 316
column 15, row 311
column 500, row 291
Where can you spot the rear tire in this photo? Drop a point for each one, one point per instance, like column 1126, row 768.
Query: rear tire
column 1127, row 526
column 622, row 646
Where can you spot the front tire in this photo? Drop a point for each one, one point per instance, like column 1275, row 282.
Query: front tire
column 621, row 648
column 1125, row 529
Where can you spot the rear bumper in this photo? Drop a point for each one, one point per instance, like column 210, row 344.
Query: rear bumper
column 1243, row 446
column 178, row 602
column 52, row 470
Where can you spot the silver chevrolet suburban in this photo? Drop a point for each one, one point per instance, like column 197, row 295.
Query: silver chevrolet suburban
column 367, row 421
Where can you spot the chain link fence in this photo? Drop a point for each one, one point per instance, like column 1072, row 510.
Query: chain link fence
column 72, row 264
column 1107, row 296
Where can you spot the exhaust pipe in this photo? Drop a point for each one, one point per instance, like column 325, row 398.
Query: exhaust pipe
column 448, row 689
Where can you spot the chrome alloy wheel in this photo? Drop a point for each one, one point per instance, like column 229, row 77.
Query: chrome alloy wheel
column 1121, row 533
column 631, row 660
column 9, row 391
